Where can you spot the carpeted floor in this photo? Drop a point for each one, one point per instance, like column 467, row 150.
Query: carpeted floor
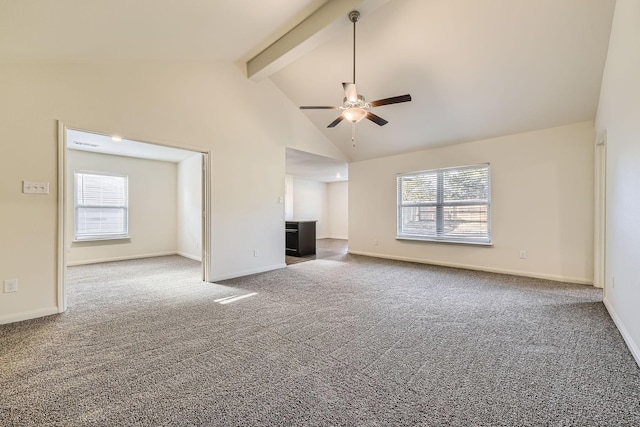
column 340, row 341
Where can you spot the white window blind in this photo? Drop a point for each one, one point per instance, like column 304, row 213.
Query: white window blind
column 101, row 203
column 450, row 205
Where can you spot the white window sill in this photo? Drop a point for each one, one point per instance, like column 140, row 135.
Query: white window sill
column 102, row 239
column 454, row 241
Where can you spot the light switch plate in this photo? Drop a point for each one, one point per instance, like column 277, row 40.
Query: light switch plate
column 34, row 187
column 10, row 285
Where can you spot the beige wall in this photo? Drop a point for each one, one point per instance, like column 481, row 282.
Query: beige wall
column 189, row 227
column 542, row 202
column 207, row 106
column 619, row 117
column 152, row 208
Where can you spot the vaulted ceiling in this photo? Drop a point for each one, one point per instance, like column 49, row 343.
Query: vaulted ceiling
column 475, row 68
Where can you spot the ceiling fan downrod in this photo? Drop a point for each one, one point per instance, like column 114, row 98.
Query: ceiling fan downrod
column 354, row 16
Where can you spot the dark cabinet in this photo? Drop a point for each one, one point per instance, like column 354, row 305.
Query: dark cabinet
column 300, row 238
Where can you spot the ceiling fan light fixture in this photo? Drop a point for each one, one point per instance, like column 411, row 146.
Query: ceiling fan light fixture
column 355, row 114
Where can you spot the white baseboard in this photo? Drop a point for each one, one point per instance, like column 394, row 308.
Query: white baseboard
column 634, row 348
column 193, row 257
column 321, row 237
column 121, row 258
column 553, row 277
column 26, row 315
column 338, row 237
column 248, row 272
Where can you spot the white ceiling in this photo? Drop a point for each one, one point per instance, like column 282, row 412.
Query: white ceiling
column 475, row 68
column 315, row 168
column 97, row 143
column 144, row 30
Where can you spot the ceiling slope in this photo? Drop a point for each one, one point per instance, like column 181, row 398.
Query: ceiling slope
column 144, row 30
column 475, row 70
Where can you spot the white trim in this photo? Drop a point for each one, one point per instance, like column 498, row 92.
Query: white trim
column 443, row 240
column 553, row 277
column 193, row 257
column 120, row 258
column 62, row 194
column 102, row 239
column 600, row 214
column 338, row 237
column 26, row 315
column 633, row 347
column 249, row 272
column 206, row 216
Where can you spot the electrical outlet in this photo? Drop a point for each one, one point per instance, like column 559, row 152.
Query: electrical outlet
column 255, row 253
column 523, row 254
column 10, row 285
column 375, row 242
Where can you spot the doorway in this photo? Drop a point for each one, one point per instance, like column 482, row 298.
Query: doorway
column 153, row 203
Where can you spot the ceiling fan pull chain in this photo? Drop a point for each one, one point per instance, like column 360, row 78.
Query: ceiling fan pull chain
column 353, row 134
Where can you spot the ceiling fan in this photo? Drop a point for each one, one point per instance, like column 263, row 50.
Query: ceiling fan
column 354, row 107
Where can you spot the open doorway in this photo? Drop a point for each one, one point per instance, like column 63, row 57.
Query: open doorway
column 122, row 199
column 316, row 189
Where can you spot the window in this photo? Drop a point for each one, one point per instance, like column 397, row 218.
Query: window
column 101, row 203
column 448, row 205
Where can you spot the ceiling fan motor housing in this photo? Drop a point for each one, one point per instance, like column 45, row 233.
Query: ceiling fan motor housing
column 360, row 103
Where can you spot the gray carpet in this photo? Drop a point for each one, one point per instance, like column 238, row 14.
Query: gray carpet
column 342, row 341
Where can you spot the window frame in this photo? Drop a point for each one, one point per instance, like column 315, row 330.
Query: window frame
column 87, row 237
column 440, row 206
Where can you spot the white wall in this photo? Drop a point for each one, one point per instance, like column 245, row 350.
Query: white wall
column 152, row 208
column 326, row 202
column 189, row 105
column 338, row 207
column 189, row 215
column 619, row 116
column 288, row 198
column 542, row 202
column 310, row 202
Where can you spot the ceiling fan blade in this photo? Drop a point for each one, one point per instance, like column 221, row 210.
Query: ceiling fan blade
column 392, row 100
column 376, row 119
column 317, row 107
column 335, row 122
column 350, row 91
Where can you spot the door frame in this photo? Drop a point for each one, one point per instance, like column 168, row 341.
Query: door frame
column 600, row 213
column 62, row 207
